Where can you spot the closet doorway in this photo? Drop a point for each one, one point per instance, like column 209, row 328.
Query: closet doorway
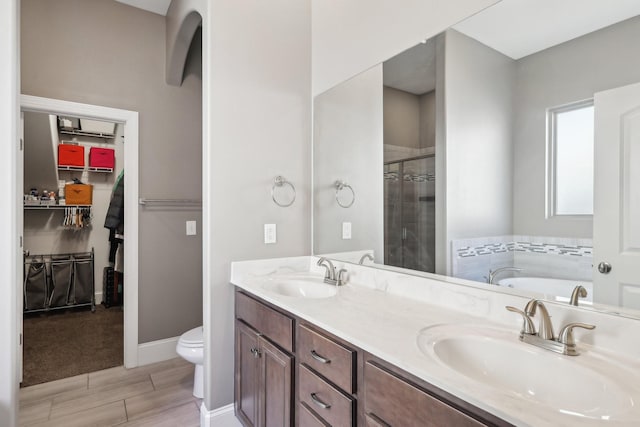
column 67, row 248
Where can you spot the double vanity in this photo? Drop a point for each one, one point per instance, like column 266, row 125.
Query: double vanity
column 388, row 348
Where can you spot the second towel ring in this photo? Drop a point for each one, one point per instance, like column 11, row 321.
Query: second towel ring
column 341, row 185
column 280, row 181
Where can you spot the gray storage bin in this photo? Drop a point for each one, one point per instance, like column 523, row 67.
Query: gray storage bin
column 35, row 284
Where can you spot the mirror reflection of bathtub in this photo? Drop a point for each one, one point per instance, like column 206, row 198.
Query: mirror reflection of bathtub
column 558, row 289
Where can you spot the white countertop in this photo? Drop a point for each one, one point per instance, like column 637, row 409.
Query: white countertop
column 383, row 313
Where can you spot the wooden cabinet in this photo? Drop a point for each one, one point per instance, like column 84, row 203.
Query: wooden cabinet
column 336, row 383
column 263, row 371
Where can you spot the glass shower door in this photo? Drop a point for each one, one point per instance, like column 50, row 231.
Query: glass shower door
column 418, row 214
column 409, row 214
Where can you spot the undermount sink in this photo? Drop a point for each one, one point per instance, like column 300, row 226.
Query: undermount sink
column 299, row 286
column 584, row 386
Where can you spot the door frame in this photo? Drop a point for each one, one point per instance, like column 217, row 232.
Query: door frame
column 131, row 164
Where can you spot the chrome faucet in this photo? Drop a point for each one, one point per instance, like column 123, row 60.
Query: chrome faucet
column 544, row 338
column 545, row 328
column 330, row 271
column 494, row 273
column 578, row 292
column 365, row 256
column 330, row 275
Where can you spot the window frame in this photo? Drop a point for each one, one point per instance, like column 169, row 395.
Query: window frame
column 551, row 158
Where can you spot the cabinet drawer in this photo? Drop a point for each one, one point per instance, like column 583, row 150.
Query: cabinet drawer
column 270, row 323
column 389, row 400
column 306, row 418
column 332, row 405
column 330, row 359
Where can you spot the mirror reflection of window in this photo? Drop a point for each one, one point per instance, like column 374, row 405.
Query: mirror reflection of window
column 572, row 159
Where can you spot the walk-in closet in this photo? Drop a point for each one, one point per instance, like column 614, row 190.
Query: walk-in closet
column 73, row 246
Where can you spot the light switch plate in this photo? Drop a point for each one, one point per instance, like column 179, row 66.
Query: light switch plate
column 191, row 228
column 346, row 230
column 269, row 234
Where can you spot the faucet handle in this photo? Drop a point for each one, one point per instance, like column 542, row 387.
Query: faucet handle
column 339, row 280
column 527, row 325
column 566, row 334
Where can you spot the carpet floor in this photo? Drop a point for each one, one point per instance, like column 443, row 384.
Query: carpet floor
column 66, row 343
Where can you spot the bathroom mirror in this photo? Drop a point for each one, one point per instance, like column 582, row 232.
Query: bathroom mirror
column 473, row 154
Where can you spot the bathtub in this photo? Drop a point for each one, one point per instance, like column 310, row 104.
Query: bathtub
column 559, row 288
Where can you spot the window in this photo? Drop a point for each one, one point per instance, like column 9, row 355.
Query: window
column 570, row 159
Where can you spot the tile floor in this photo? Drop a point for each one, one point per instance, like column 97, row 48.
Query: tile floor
column 152, row 395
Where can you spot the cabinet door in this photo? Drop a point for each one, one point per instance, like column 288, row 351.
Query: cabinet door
column 277, row 380
column 247, row 374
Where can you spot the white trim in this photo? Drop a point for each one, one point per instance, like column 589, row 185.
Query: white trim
column 221, row 417
column 131, row 164
column 157, row 351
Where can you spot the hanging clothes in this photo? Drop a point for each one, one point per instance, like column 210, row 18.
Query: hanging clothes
column 114, row 220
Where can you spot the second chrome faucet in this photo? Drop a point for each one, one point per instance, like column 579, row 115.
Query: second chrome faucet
column 564, row 343
column 331, row 277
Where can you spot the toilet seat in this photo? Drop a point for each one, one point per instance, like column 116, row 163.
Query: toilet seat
column 192, row 338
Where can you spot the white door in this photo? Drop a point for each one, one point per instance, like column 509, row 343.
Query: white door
column 20, row 228
column 616, row 221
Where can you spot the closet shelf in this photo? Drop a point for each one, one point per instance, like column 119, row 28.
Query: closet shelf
column 79, row 132
column 41, row 207
column 82, row 169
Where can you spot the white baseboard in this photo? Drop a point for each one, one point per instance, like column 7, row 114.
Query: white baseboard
column 157, row 351
column 221, row 417
column 98, row 298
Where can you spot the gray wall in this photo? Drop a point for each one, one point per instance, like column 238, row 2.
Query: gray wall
column 479, row 103
column 258, row 112
column 348, row 138
column 401, row 117
column 569, row 72
column 409, row 120
column 105, row 53
column 428, row 119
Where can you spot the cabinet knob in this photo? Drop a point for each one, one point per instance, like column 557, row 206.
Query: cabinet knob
column 256, row 353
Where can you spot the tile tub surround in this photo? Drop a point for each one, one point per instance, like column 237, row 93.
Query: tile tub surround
column 399, row 305
column 557, row 257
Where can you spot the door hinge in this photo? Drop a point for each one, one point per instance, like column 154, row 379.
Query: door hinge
column 21, row 143
column 20, row 241
column 21, row 339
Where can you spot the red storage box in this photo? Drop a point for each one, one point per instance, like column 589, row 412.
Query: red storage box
column 70, row 155
column 102, row 157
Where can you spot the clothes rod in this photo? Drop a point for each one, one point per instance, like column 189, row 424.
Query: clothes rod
column 170, row 202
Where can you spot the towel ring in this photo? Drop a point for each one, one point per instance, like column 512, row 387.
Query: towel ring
column 341, row 185
column 280, row 181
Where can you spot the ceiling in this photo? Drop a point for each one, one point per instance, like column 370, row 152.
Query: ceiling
column 414, row 70
column 518, row 28
column 156, row 6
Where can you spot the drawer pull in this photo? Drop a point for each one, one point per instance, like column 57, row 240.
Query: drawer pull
column 319, row 402
column 319, row 358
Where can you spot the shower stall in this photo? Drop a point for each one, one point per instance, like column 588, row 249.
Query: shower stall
column 409, row 213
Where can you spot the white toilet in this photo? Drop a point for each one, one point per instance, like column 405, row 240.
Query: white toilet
column 191, row 348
